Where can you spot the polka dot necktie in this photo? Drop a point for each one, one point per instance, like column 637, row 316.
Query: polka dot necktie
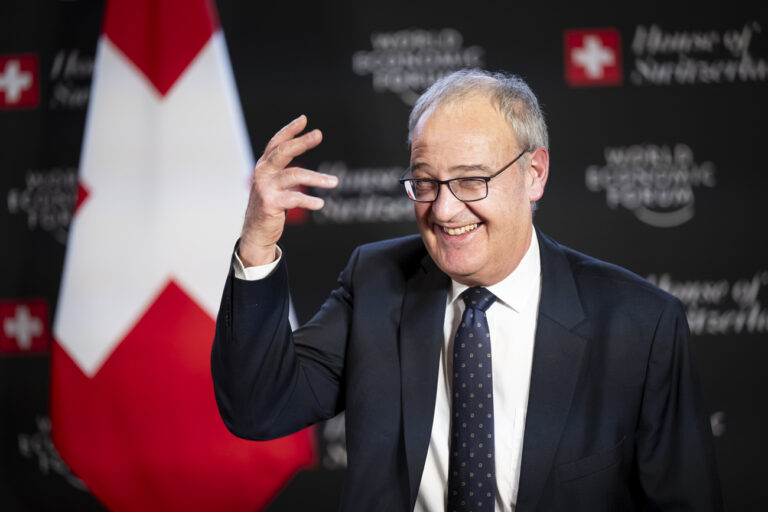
column 471, row 472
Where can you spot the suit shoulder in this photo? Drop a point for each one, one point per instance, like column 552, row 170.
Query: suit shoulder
column 392, row 259
column 607, row 276
column 396, row 250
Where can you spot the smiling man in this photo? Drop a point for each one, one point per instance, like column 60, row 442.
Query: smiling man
column 481, row 240
column 481, row 365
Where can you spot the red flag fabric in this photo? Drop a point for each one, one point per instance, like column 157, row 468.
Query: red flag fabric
column 164, row 162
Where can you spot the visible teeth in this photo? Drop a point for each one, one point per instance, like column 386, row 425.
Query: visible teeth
column 461, row 230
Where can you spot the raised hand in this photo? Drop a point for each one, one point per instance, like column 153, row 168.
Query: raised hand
column 272, row 191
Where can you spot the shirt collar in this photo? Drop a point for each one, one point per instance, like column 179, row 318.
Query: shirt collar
column 515, row 289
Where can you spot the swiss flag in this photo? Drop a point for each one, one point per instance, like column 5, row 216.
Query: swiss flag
column 19, row 81
column 593, row 57
column 160, row 203
column 24, row 326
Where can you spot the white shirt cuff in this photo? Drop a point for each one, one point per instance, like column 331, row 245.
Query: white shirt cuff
column 257, row 272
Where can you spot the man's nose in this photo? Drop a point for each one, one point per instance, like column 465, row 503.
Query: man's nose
column 446, row 206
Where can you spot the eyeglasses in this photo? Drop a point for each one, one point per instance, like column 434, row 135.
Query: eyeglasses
column 468, row 189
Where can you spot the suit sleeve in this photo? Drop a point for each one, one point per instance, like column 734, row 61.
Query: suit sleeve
column 674, row 445
column 268, row 381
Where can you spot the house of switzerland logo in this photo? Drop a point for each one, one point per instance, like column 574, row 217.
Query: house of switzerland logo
column 720, row 306
column 364, row 195
column 690, row 57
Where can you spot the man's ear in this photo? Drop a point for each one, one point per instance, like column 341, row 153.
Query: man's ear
column 537, row 173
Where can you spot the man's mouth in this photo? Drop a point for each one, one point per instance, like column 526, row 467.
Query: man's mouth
column 461, row 230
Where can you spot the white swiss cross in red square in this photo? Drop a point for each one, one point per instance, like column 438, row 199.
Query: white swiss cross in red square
column 593, row 57
column 19, row 81
column 24, row 326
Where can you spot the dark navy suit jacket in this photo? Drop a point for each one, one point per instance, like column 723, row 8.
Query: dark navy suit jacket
column 615, row 420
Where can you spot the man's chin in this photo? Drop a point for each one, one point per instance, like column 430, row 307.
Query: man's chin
column 462, row 273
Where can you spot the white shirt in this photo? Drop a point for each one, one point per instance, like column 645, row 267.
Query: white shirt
column 257, row 272
column 512, row 322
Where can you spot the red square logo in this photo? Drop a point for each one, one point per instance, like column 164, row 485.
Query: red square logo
column 19, row 81
column 593, row 57
column 24, row 327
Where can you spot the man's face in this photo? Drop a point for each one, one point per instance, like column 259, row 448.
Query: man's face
column 477, row 243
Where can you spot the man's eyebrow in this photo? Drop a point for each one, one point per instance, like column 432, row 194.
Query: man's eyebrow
column 470, row 168
column 456, row 168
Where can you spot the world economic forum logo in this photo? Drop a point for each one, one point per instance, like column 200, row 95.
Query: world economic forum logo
column 406, row 62
column 656, row 182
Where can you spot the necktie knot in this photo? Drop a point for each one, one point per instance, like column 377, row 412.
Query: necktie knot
column 478, row 298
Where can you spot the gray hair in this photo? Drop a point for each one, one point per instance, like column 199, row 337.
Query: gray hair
column 509, row 94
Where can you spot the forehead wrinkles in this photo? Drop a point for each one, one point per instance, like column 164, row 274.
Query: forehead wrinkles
column 475, row 110
column 462, row 134
column 470, row 145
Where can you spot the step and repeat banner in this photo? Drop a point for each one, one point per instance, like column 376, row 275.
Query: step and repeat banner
column 656, row 112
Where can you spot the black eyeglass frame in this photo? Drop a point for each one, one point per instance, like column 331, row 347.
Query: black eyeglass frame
column 439, row 183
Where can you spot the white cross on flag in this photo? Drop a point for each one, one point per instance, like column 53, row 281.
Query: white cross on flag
column 23, row 326
column 19, row 84
column 163, row 188
column 593, row 57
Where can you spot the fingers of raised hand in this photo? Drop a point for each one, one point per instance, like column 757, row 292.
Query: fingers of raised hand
column 297, row 199
column 296, row 176
column 286, row 151
column 277, row 191
column 277, row 201
column 287, row 144
column 287, row 132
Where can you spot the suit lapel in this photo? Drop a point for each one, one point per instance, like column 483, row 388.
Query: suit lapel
column 421, row 337
column 557, row 359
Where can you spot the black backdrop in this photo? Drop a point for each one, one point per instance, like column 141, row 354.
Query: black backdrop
column 659, row 169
